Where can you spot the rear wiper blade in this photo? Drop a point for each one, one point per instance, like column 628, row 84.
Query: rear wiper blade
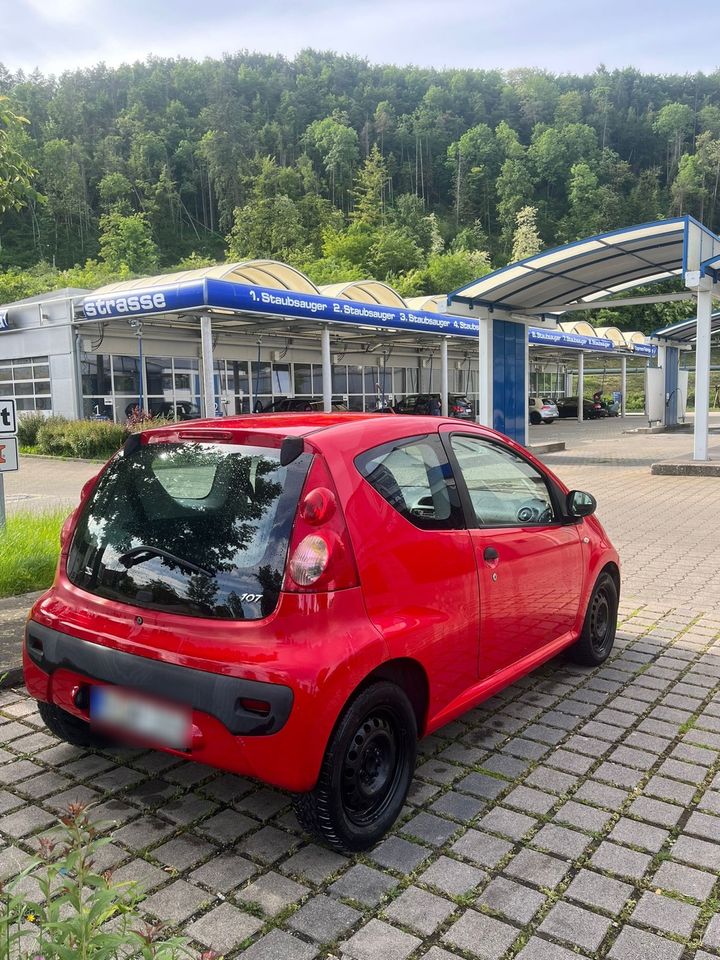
column 144, row 552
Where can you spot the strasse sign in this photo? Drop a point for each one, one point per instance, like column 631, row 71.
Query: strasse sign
column 8, row 416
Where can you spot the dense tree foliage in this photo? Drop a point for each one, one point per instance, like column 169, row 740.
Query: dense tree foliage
column 345, row 168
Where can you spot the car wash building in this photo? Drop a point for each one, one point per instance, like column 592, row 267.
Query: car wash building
column 234, row 338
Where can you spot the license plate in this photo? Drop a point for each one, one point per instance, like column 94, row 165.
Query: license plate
column 139, row 716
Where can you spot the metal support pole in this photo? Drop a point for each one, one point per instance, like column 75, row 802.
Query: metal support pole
column 3, row 515
column 208, row 379
column 485, row 371
column 581, row 385
column 444, row 381
column 702, row 372
column 526, row 387
column 623, row 386
column 326, row 369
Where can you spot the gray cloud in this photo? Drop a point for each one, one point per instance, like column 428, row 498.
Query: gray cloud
column 558, row 35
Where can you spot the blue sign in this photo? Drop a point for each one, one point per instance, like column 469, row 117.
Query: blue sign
column 4, row 322
column 646, row 349
column 145, row 302
column 245, row 298
column 559, row 338
column 286, row 303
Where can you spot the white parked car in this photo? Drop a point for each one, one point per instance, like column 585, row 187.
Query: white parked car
column 542, row 410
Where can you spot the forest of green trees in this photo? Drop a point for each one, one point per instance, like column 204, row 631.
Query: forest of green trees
column 425, row 178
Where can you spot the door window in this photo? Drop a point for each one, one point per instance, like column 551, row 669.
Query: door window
column 415, row 478
column 504, row 489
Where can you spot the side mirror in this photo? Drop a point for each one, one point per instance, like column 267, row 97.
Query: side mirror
column 580, row 504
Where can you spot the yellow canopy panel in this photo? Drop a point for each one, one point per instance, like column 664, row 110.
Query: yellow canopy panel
column 364, row 291
column 264, row 273
column 581, row 327
column 433, row 304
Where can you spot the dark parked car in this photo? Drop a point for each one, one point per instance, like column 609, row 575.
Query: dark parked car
column 302, row 405
column 180, row 410
column 592, row 409
column 422, row 404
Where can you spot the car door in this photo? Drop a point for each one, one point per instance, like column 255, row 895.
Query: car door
column 416, row 561
column 529, row 561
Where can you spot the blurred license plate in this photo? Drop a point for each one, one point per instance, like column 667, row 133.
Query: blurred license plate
column 157, row 722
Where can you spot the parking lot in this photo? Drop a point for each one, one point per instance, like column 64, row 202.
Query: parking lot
column 575, row 814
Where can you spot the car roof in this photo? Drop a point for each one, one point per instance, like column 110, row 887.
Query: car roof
column 331, row 427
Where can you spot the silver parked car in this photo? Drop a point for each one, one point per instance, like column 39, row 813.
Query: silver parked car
column 542, row 410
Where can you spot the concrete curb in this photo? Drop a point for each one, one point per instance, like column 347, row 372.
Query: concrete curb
column 686, row 468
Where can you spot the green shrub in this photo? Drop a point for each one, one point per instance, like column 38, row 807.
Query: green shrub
column 80, row 438
column 28, row 426
column 78, row 911
column 29, row 548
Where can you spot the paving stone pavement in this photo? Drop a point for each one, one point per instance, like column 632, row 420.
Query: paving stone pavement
column 577, row 813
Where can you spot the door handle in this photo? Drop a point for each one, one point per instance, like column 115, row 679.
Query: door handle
column 490, row 554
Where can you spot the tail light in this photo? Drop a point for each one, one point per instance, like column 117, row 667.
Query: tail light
column 320, row 556
column 457, row 409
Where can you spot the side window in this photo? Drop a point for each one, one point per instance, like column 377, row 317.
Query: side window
column 504, row 489
column 416, row 479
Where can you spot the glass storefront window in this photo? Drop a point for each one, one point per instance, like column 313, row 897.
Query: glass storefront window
column 187, row 379
column 261, row 379
column 303, row 379
column 339, row 378
column 355, row 379
column 158, row 373
column 126, row 375
column 95, row 370
column 25, row 378
column 281, row 379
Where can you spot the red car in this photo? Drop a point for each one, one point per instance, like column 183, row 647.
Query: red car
column 298, row 598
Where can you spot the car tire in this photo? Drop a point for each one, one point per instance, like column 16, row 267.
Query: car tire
column 535, row 418
column 366, row 772
column 595, row 643
column 69, row 728
column 550, row 422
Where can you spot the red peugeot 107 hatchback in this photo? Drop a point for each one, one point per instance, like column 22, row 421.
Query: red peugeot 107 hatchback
column 298, row 598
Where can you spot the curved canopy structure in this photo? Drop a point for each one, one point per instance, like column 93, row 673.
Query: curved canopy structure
column 432, row 303
column 685, row 331
column 582, row 327
column 595, row 268
column 612, row 333
column 265, row 273
column 364, row 291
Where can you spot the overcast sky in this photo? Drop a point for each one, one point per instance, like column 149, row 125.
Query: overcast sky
column 559, row 35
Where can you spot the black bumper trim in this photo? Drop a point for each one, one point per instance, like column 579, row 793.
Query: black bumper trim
column 212, row 693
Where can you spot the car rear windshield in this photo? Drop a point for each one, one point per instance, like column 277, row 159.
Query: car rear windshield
column 192, row 528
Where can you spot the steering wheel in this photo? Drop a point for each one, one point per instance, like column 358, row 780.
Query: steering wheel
column 537, row 511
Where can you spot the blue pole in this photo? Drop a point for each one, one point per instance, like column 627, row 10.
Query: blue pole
column 140, row 370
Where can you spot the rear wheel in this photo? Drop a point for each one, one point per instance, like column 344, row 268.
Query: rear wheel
column 366, row 772
column 598, row 634
column 535, row 418
column 70, row 728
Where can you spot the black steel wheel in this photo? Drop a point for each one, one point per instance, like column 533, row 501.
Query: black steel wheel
column 366, row 772
column 535, row 417
column 596, row 641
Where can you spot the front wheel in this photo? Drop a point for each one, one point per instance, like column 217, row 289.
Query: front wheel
column 595, row 643
column 366, row 771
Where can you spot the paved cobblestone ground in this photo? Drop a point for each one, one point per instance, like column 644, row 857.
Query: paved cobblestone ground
column 575, row 814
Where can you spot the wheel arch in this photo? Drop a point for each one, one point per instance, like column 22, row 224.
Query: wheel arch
column 411, row 677
column 612, row 568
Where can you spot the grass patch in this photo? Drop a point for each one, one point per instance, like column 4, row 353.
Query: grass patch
column 29, row 548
